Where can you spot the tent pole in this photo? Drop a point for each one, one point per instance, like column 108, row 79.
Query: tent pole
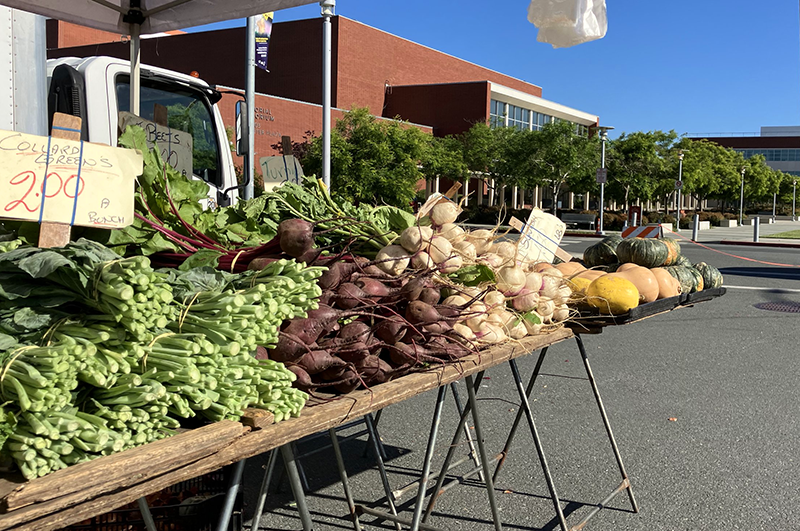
column 250, row 98
column 327, row 12
column 136, row 61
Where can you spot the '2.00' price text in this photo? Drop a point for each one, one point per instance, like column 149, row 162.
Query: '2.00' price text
column 27, row 182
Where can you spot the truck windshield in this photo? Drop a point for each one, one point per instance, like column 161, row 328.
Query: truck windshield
column 187, row 110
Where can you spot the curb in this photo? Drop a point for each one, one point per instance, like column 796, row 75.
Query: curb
column 761, row 244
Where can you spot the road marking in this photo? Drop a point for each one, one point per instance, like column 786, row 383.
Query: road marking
column 570, row 241
column 773, row 290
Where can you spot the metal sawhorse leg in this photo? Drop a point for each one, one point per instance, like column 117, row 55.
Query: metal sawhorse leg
column 525, row 409
column 416, row 521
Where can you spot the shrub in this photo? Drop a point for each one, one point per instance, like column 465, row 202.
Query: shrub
column 716, row 218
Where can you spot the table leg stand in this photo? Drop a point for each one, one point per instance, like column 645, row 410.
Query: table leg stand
column 262, row 493
column 440, row 487
column 147, row 516
column 526, row 408
column 230, row 495
column 297, row 487
column 294, row 482
column 473, row 454
column 484, row 461
column 373, row 437
column 520, row 412
column 416, row 524
column 626, row 484
column 351, row 506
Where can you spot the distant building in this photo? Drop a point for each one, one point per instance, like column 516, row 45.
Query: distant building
column 391, row 76
column 780, row 146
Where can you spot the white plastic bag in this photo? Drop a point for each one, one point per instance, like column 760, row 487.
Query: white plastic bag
column 565, row 23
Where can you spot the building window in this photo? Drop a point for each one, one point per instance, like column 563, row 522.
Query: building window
column 772, row 155
column 497, row 113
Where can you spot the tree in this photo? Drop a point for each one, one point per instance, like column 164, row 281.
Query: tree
column 372, row 160
column 553, row 157
column 637, row 163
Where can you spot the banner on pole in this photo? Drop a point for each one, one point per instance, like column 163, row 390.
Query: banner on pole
column 263, row 32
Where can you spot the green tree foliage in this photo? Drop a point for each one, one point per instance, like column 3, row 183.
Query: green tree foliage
column 373, row 160
column 637, row 164
column 554, row 157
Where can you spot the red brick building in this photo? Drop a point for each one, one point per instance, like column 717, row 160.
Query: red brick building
column 391, row 76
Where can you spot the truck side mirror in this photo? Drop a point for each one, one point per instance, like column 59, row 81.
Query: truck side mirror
column 242, row 128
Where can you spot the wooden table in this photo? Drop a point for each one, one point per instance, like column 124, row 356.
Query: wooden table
column 88, row 489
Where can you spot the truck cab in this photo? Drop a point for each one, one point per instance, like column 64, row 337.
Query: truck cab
column 98, row 88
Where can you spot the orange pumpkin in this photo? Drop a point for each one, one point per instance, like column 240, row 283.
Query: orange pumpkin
column 668, row 286
column 644, row 280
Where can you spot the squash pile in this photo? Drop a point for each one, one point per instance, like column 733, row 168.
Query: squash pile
column 624, row 273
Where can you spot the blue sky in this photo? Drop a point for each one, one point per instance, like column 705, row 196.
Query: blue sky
column 693, row 66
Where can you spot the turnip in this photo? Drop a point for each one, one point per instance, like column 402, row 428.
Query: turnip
column 507, row 250
column 510, row 280
column 422, row 260
column 452, row 264
column 550, row 286
column 490, row 334
column 475, row 315
column 466, row 250
column 454, row 300
column 494, row 299
column 464, row 331
column 545, row 309
column 444, row 212
column 515, row 329
column 532, row 322
column 533, row 281
column 452, row 232
column 481, row 239
column 414, row 238
column 525, row 300
column 494, row 261
column 439, row 249
column 561, row 313
column 392, row 259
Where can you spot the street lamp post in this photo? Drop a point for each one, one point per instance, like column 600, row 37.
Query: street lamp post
column 794, row 195
column 741, row 199
column 604, row 129
column 679, row 185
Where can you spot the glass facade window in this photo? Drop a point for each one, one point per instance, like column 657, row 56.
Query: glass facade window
column 497, row 113
column 522, row 119
column 773, row 155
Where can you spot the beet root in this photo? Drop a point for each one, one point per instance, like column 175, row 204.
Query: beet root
column 296, row 236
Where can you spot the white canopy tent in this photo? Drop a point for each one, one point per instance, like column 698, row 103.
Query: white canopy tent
column 136, row 17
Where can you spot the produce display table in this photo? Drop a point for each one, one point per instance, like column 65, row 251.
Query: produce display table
column 88, row 489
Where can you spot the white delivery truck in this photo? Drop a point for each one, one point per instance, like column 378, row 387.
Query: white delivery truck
column 97, row 89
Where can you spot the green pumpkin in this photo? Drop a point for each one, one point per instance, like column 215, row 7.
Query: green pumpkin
column 610, row 268
column 603, row 252
column 689, row 278
column 712, row 278
column 674, row 251
column 646, row 252
column 683, row 261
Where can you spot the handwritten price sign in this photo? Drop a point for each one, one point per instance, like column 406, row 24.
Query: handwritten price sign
column 540, row 238
column 66, row 181
column 174, row 145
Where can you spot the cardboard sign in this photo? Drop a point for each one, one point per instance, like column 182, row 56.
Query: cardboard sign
column 47, row 179
column 540, row 237
column 174, row 145
column 281, row 169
